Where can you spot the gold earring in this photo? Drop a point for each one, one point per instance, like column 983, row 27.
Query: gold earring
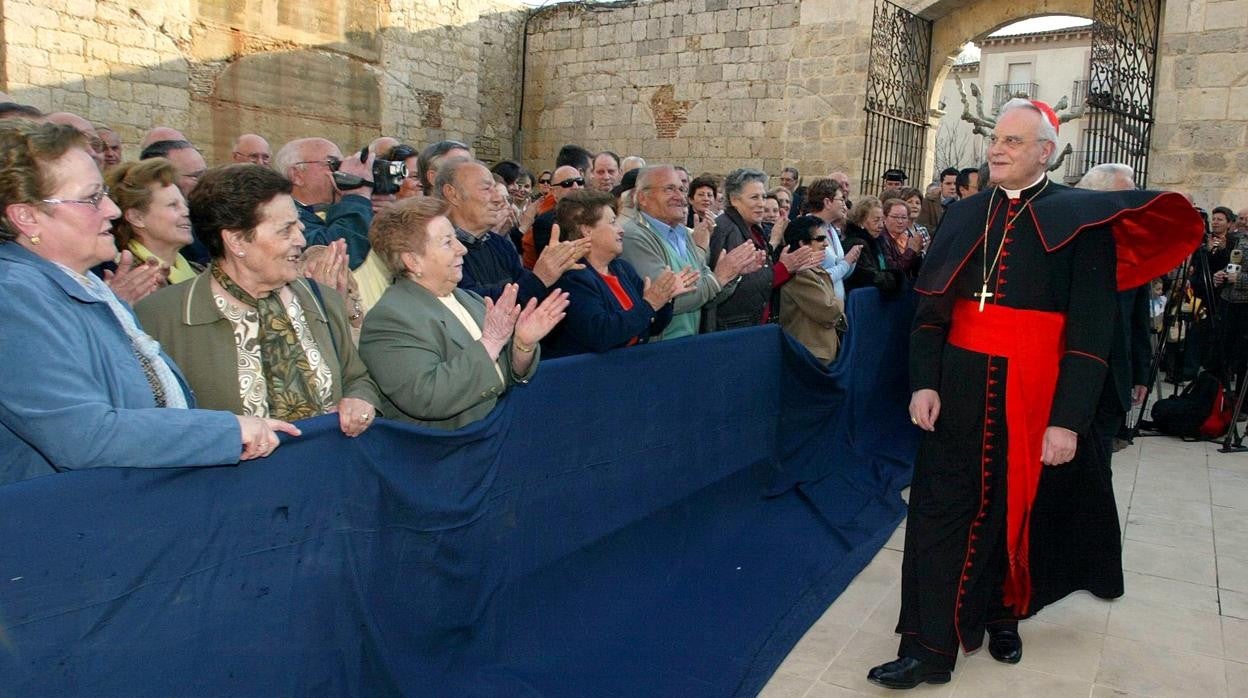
column 35, row 239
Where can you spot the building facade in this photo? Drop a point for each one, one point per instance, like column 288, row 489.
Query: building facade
column 1052, row 66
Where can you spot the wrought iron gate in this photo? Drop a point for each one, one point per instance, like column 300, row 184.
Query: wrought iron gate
column 1120, row 86
column 901, row 46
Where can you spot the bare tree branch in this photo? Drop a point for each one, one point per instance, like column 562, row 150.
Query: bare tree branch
column 980, row 123
column 1062, row 157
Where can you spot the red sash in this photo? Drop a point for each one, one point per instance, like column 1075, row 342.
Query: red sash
column 1032, row 341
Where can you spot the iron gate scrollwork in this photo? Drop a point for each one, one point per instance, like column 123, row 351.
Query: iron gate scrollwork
column 1120, row 85
column 897, row 105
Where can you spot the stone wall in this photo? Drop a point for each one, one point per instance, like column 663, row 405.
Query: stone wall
column 347, row 69
column 1201, row 131
column 711, row 84
column 715, row 84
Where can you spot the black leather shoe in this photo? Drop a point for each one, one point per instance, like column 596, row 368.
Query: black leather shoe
column 905, row 672
column 1005, row 645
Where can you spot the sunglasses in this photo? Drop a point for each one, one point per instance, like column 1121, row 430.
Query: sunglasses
column 543, row 181
column 819, row 238
column 569, row 183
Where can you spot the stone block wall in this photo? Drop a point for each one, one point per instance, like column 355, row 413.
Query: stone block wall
column 1200, row 139
column 714, row 84
column 346, row 69
column 710, row 84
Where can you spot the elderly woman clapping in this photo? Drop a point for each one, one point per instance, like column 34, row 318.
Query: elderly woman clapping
column 440, row 354
column 809, row 307
column 864, row 230
column 81, row 384
column 251, row 334
column 155, row 222
column 750, row 302
column 609, row 305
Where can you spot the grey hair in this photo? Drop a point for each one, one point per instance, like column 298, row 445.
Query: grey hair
column 447, row 171
column 737, row 179
column 1047, row 131
column 290, row 154
column 1104, row 177
column 647, row 173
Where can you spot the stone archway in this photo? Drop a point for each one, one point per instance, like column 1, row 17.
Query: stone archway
column 975, row 21
column 978, row 19
column 1123, row 71
column 902, row 101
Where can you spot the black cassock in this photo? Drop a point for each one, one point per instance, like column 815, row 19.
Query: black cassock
column 1065, row 252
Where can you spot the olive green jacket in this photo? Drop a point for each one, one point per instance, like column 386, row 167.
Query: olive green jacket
column 185, row 320
column 429, row 369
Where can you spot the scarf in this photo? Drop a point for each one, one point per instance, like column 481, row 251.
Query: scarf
column 289, row 378
column 166, row 388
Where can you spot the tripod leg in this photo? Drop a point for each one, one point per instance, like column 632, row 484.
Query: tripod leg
column 1234, row 441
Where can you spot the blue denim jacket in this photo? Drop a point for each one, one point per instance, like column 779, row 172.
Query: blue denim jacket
column 72, row 393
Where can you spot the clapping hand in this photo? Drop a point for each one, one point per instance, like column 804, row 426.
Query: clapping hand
column 329, row 267
column 528, row 216
column 500, row 320
column 537, row 320
column 742, row 259
column 702, row 227
column 134, row 282
column 660, row 291
column 777, row 232
column 559, row 257
column 687, row 280
column 801, row 259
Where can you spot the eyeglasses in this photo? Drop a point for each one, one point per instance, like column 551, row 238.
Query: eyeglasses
column 258, row 158
column 93, row 201
column 1010, row 142
column 569, row 183
column 333, row 163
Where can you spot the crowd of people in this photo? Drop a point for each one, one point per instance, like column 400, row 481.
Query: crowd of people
column 280, row 286
column 167, row 313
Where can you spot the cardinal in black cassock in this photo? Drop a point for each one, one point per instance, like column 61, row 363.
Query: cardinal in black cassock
column 1011, row 505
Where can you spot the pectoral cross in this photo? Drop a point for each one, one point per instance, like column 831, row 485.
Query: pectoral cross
column 983, row 295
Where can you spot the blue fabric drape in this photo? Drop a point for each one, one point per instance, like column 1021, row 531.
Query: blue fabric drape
column 600, row 533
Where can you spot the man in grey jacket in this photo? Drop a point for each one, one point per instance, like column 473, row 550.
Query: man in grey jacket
column 657, row 239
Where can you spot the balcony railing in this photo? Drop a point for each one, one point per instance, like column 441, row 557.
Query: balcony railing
column 1003, row 92
column 1079, row 93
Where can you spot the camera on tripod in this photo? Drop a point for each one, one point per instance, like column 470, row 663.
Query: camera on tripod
column 388, row 176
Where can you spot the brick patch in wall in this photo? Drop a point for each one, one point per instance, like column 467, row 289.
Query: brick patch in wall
column 430, row 108
column 669, row 113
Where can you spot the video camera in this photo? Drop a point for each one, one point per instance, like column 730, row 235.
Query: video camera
column 388, row 175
